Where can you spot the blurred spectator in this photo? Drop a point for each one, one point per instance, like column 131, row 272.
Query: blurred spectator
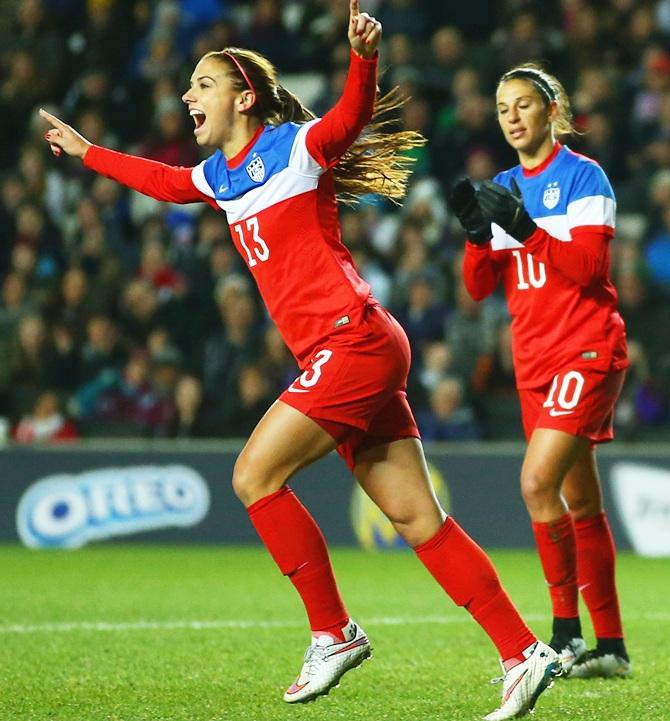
column 244, row 406
column 142, row 311
column 22, row 86
column 14, row 304
column 471, row 331
column 102, row 349
column 71, row 307
column 448, row 55
column 657, row 254
column 157, row 271
column 524, row 38
column 41, row 181
column 45, row 424
column 404, row 16
column 189, row 419
column 449, row 417
column 169, row 140
column 124, row 402
column 268, row 34
column 276, row 362
column 230, row 348
column 422, row 316
column 30, row 365
column 34, row 229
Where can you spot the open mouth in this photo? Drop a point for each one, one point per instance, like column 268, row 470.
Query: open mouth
column 198, row 118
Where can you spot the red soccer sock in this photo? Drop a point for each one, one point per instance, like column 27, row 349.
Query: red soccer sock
column 596, row 575
column 465, row 572
column 556, row 545
column 299, row 549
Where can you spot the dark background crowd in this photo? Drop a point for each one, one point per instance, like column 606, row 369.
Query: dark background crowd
column 122, row 316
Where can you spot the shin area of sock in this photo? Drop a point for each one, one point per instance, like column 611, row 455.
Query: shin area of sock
column 467, row 575
column 298, row 547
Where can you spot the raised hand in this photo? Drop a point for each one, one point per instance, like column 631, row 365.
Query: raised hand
column 505, row 208
column 364, row 31
column 64, row 138
column 462, row 200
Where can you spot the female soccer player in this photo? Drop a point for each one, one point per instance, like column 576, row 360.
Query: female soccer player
column 275, row 173
column 544, row 228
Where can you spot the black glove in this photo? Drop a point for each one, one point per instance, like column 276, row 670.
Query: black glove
column 462, row 200
column 506, row 209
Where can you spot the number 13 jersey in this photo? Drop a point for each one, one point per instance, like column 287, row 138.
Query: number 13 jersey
column 280, row 205
column 278, row 193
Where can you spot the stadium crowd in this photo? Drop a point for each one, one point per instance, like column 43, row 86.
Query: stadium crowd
column 122, row 316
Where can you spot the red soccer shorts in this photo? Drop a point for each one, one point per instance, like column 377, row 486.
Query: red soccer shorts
column 354, row 386
column 576, row 401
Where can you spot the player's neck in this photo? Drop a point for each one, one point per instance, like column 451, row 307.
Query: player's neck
column 531, row 158
column 242, row 134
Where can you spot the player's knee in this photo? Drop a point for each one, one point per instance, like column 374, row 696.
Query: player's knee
column 536, row 490
column 409, row 531
column 251, row 481
column 417, row 527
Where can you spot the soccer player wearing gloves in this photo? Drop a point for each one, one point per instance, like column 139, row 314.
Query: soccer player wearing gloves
column 543, row 229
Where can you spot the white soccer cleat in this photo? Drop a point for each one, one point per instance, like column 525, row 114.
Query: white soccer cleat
column 523, row 684
column 598, row 664
column 569, row 650
column 326, row 661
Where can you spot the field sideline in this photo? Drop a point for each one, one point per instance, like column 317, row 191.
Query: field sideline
column 202, row 633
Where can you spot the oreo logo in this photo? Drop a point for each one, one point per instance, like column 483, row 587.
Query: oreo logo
column 70, row 510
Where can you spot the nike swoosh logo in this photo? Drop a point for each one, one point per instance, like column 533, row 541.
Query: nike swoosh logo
column 554, row 412
column 223, row 188
column 297, row 687
column 586, row 585
column 510, row 690
column 359, row 642
column 291, row 389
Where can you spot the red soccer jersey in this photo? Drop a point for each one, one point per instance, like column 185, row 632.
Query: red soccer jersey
column 557, row 284
column 279, row 197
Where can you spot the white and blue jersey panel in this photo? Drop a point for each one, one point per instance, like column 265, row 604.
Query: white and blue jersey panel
column 571, row 192
column 278, row 167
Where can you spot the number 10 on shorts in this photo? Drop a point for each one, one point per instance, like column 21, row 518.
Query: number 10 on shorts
column 565, row 391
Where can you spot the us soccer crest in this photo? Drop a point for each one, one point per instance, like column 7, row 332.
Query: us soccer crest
column 256, row 169
column 552, row 194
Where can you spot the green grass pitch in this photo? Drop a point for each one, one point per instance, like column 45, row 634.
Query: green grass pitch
column 150, row 633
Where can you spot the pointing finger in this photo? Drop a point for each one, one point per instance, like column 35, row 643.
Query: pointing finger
column 353, row 9
column 56, row 122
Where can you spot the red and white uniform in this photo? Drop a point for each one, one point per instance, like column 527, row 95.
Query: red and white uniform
column 559, row 293
column 279, row 197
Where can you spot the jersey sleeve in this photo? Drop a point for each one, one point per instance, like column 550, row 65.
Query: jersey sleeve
column 591, row 211
column 592, row 206
column 157, row 180
column 328, row 138
column 480, row 272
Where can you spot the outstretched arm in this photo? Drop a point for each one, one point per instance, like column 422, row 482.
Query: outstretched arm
column 329, row 138
column 157, row 180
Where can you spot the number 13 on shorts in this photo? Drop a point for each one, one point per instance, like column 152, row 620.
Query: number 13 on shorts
column 311, row 376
